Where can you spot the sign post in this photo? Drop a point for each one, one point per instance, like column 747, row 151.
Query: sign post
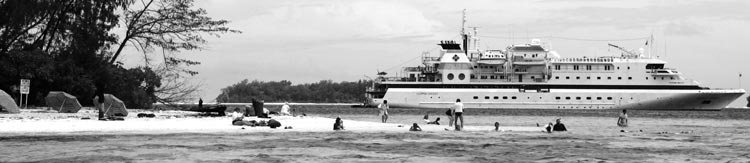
column 25, row 87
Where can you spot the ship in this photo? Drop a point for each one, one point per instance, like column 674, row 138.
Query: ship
column 529, row 76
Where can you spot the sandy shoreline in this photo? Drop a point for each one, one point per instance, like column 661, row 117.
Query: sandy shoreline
column 184, row 122
column 182, row 137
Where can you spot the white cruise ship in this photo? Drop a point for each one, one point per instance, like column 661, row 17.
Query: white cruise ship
column 528, row 76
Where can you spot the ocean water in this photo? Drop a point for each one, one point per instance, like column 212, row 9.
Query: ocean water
column 327, row 111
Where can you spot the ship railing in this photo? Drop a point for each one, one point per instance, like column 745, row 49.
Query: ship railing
column 428, row 59
column 412, row 68
column 587, row 60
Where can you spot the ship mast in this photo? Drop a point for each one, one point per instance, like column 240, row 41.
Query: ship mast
column 464, row 35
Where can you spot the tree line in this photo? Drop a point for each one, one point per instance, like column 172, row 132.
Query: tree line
column 68, row 46
column 324, row 91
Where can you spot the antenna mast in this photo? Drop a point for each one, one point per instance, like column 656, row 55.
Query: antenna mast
column 464, row 35
column 463, row 22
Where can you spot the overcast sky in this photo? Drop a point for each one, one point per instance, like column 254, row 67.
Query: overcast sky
column 347, row 40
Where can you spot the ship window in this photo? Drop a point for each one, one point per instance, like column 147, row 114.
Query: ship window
column 461, row 76
column 557, row 98
column 502, row 77
column 450, row 76
column 598, row 78
column 588, row 98
column 492, row 77
column 575, row 67
column 655, row 66
column 486, row 97
column 473, row 76
column 706, row 102
column 609, row 78
column 495, row 98
column 662, row 78
column 630, row 78
column 476, row 97
column 578, row 77
column 567, row 98
column 671, row 78
column 609, row 98
column 557, row 77
column 505, row 97
column 628, row 67
column 567, row 77
column 619, row 78
column 646, row 78
column 475, row 66
column 618, row 67
column 532, row 77
column 513, row 97
column 588, row 77
column 598, row 98
column 578, row 98
column 483, row 77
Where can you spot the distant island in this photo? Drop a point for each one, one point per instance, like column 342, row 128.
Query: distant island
column 324, row 91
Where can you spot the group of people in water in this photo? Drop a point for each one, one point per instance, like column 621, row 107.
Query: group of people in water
column 455, row 116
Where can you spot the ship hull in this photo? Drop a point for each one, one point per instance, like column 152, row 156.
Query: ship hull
column 643, row 99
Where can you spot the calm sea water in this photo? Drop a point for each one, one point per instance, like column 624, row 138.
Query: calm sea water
column 743, row 114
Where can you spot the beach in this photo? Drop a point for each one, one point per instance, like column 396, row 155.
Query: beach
column 176, row 136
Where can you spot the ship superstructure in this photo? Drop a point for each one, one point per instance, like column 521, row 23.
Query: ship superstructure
column 530, row 76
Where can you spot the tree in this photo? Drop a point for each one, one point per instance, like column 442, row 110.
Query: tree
column 173, row 26
column 54, row 43
column 65, row 46
column 174, row 87
column 281, row 91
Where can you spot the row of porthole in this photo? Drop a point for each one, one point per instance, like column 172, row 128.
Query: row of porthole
column 587, row 98
column 557, row 98
column 597, row 78
column 461, row 76
column 608, row 78
column 496, row 97
column 588, row 67
column 576, row 107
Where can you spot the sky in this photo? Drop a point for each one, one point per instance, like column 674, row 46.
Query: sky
column 348, row 40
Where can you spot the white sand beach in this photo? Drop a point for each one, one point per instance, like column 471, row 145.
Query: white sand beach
column 41, row 123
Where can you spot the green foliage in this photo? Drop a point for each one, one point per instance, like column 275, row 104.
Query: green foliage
column 62, row 46
column 65, row 46
column 325, row 91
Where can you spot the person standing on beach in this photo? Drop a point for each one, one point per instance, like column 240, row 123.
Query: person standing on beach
column 623, row 120
column 100, row 98
column 200, row 103
column 384, row 111
column 458, row 110
column 285, row 109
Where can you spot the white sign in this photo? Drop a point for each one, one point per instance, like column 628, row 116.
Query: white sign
column 25, row 83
